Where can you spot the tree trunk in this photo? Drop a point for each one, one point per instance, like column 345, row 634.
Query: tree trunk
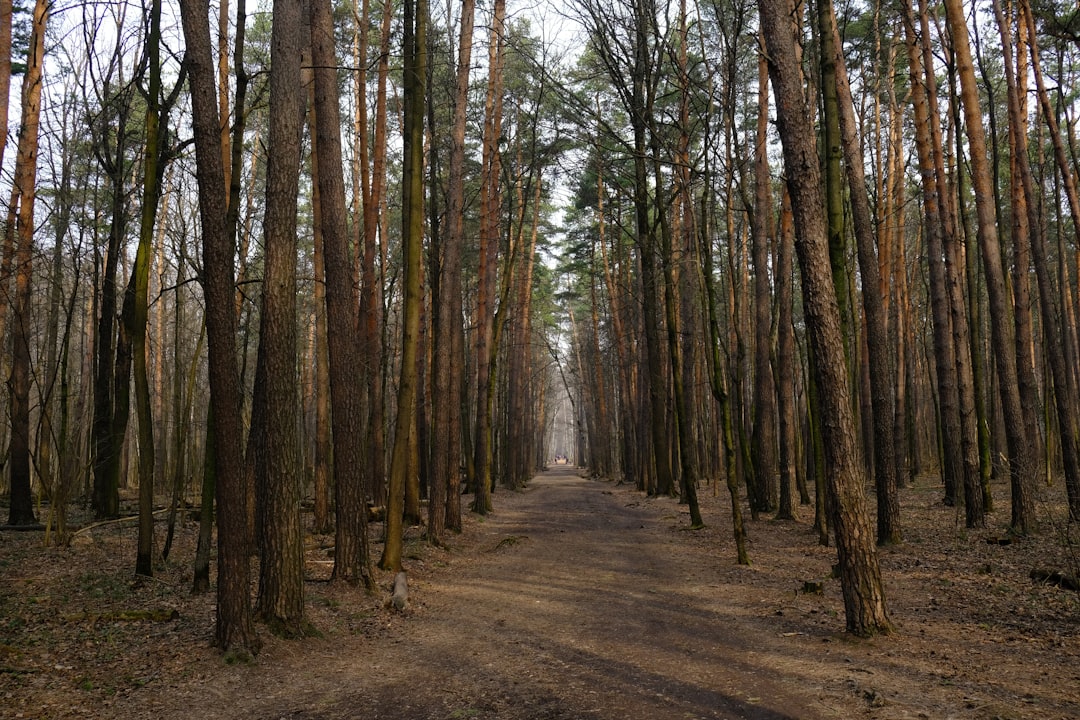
column 153, row 172
column 323, row 461
column 371, row 300
column 415, row 79
column 234, row 632
column 449, row 360
column 352, row 560
column 763, row 441
column 490, row 212
column 860, row 575
column 1021, row 465
column 281, row 570
column 785, row 360
column 21, row 510
column 877, row 340
column 944, row 349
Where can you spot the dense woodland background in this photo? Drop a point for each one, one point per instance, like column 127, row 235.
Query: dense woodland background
column 402, row 255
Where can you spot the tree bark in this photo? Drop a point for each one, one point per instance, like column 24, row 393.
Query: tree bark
column 352, row 560
column 877, row 340
column 21, row 510
column 449, row 357
column 860, row 575
column 1021, row 463
column 234, row 632
column 944, row 349
column 153, row 173
column 785, row 361
column 763, row 440
column 415, row 79
column 490, row 212
column 281, row 576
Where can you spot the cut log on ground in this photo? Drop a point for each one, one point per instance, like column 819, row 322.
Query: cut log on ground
column 400, row 598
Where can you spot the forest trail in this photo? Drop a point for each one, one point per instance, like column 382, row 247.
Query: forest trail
column 576, row 600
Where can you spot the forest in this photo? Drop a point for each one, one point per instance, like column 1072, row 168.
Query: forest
column 354, row 273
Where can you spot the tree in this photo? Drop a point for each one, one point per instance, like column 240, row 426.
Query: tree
column 415, row 50
column 281, row 576
column 940, row 302
column 860, row 575
column 112, row 140
column 450, row 344
column 489, row 235
column 233, row 632
column 154, row 161
column 1021, row 462
column 762, row 488
column 21, row 511
column 877, row 340
column 352, row 561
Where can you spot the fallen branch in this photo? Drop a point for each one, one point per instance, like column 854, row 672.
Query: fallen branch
column 509, row 541
column 113, row 521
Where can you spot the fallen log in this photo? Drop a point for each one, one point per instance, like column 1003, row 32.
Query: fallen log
column 1056, row 577
column 159, row 615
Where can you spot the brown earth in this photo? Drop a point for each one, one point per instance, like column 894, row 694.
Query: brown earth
column 577, row 598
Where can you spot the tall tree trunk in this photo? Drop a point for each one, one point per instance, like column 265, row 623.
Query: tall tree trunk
column 449, row 349
column 412, row 173
column 323, row 460
column 490, row 213
column 719, row 387
column 352, row 559
column 1021, row 464
column 21, row 510
column 371, row 297
column 877, row 338
column 944, row 349
column 785, row 360
column 153, row 173
column 860, row 575
column 234, row 632
column 106, row 455
column 763, row 441
column 952, row 240
column 281, row 576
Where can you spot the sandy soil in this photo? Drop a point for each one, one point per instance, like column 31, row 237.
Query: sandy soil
column 577, row 598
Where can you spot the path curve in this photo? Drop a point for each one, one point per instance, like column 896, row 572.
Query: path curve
column 578, row 602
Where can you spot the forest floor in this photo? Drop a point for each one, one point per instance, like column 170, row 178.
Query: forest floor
column 576, row 598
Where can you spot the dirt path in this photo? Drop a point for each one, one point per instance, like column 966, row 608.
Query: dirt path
column 575, row 602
